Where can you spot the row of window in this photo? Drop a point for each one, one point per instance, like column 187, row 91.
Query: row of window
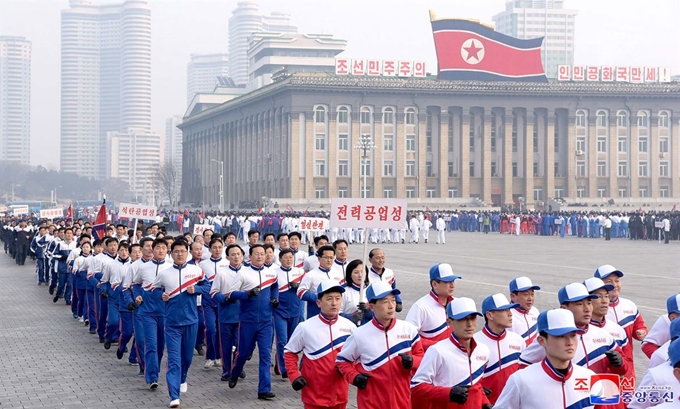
column 365, row 115
column 388, row 192
column 622, row 120
column 602, row 191
column 622, row 144
column 622, row 169
column 343, row 142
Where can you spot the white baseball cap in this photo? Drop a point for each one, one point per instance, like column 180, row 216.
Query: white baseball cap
column 557, row 322
column 522, row 284
column 461, row 307
column 573, row 292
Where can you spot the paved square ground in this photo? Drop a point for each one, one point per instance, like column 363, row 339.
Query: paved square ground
column 49, row 360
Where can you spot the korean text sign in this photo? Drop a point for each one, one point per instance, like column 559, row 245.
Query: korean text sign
column 368, row 213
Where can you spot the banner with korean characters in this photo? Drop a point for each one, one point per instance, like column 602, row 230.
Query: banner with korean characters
column 313, row 224
column 20, row 210
column 52, row 213
column 136, row 211
column 368, row 213
column 200, row 228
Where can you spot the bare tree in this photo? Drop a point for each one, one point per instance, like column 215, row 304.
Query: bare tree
column 167, row 178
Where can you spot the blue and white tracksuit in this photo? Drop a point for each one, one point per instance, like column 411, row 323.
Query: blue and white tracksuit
column 94, row 274
column 127, row 297
column 113, row 271
column 227, row 313
column 38, row 245
column 152, row 315
column 61, row 254
column 256, row 319
column 80, row 284
column 181, row 318
column 208, row 307
column 287, row 316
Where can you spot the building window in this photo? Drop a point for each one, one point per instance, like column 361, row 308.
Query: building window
column 320, row 142
column 411, row 143
column 580, row 192
column 601, row 119
column 493, row 143
column 431, row 192
column 622, row 144
column 428, row 134
column 388, row 168
column 580, row 145
column 320, row 168
column 366, row 191
column 366, row 167
column 642, row 120
column 535, row 136
column 642, row 169
column 428, row 169
column 387, row 192
column 581, row 168
column 320, row 115
column 343, row 141
column 320, row 192
column 343, row 192
column 472, row 141
column 556, row 169
column 556, row 139
column 453, row 192
column 514, row 169
column 622, row 169
column 410, row 168
column 623, row 192
column 602, row 191
column 343, row 168
column 642, row 144
column 663, row 144
column 365, row 116
column 451, row 170
column 410, row 117
column 494, row 171
column 663, row 119
column 343, row 115
column 663, row 169
column 388, row 116
column 642, row 192
column 388, row 142
column 472, row 169
column 535, row 169
column 622, row 119
column 410, row 192
column 450, row 135
column 580, row 119
column 559, row 192
column 663, row 191
column 538, row 194
column 602, row 144
column 514, row 133
column 601, row 168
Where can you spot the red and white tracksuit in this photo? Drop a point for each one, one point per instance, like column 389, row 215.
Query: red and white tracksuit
column 374, row 349
column 625, row 313
column 658, row 335
column 429, row 316
column 504, row 352
column 320, row 340
column 445, row 365
column 525, row 323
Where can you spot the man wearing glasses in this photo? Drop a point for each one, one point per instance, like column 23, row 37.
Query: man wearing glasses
column 311, row 281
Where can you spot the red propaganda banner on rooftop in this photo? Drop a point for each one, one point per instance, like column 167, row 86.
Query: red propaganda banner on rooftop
column 368, row 213
column 136, row 211
column 468, row 50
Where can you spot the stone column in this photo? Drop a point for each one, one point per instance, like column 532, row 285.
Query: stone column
column 551, row 118
column 571, row 155
column 528, row 135
column 399, row 157
column 443, row 152
column 633, row 154
column 309, row 156
column 421, row 155
column 332, row 152
column 465, row 154
column 297, row 120
column 507, row 157
column 377, row 155
column 592, row 157
column 486, row 156
column 653, row 163
column 674, row 171
column 613, row 154
column 355, row 168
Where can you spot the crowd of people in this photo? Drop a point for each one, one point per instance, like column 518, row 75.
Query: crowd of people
column 325, row 322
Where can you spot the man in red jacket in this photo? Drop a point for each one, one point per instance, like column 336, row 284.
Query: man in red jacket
column 320, row 339
column 379, row 356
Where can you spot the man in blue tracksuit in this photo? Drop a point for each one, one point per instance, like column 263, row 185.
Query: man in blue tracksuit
column 287, row 315
column 95, row 273
column 38, row 245
column 61, row 253
column 208, row 308
column 146, row 245
column 178, row 288
column 256, row 287
column 114, row 270
column 124, row 314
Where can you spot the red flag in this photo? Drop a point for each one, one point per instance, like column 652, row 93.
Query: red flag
column 259, row 210
column 468, row 50
column 99, row 226
column 290, row 208
column 305, row 215
column 69, row 214
column 673, row 209
column 427, row 209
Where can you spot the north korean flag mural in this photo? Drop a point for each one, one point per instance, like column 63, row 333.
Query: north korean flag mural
column 467, row 50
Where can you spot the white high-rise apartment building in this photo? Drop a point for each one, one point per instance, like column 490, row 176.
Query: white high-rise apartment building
column 173, row 147
column 15, row 99
column 246, row 20
column 202, row 73
column 105, row 79
column 541, row 18
column 134, row 156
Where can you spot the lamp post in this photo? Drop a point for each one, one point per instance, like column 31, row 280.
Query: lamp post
column 221, row 164
column 365, row 144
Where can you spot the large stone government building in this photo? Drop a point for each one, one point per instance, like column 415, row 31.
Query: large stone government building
column 497, row 141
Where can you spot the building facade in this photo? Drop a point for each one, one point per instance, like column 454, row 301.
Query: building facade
column 105, row 79
column 203, row 71
column 247, row 19
column 271, row 52
column 134, row 157
column 173, row 147
column 495, row 141
column 541, row 18
column 15, row 99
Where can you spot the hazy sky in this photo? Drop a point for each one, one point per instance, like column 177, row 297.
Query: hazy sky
column 608, row 32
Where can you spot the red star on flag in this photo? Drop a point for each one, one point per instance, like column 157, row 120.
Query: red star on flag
column 473, row 51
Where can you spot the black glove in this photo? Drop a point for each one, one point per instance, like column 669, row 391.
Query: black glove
column 105, row 294
column 487, row 406
column 299, row 383
column 406, row 361
column 357, row 316
column 294, row 285
column 362, row 306
column 615, row 359
column 361, row 380
column 254, row 292
column 399, row 307
column 275, row 303
column 487, row 391
column 459, row 394
column 132, row 306
column 229, row 301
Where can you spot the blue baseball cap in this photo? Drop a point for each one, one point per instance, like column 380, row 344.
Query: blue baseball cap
column 461, row 307
column 675, row 329
column 328, row 286
column 522, row 284
column 606, row 270
column 557, row 322
column 379, row 290
column 573, row 292
column 673, row 304
column 674, row 352
column 593, row 284
column 497, row 302
column 443, row 272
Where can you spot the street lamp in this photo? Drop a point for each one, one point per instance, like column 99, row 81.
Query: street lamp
column 221, row 163
column 365, row 144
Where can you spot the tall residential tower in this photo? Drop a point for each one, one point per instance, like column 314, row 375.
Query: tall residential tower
column 203, row 71
column 15, row 99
